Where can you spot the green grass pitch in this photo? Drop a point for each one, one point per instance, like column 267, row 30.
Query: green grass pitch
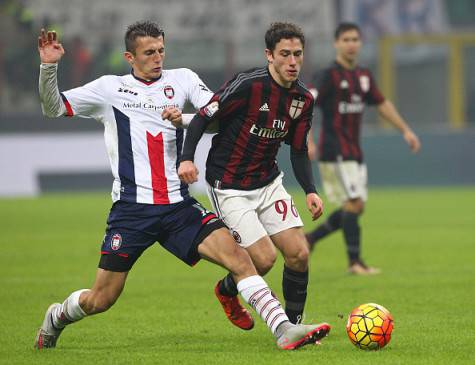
column 423, row 239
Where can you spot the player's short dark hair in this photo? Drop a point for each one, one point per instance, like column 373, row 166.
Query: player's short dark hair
column 345, row 27
column 280, row 30
column 141, row 29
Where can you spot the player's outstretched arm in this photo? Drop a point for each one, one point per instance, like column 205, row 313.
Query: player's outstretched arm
column 390, row 113
column 50, row 52
column 49, row 48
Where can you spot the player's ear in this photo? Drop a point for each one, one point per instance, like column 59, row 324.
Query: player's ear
column 270, row 57
column 129, row 57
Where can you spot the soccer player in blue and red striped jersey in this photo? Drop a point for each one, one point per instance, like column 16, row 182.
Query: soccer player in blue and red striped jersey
column 256, row 111
column 343, row 90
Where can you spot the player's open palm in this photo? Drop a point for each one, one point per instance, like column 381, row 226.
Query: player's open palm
column 187, row 172
column 49, row 48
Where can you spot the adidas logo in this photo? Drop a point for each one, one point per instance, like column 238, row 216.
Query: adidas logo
column 264, row 108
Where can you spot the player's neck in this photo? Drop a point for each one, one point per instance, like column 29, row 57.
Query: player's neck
column 278, row 79
column 345, row 63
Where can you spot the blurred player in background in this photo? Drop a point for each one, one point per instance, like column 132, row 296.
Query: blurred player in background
column 150, row 202
column 256, row 111
column 343, row 89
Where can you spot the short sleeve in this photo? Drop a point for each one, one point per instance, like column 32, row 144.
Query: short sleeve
column 198, row 93
column 86, row 101
column 374, row 95
column 226, row 100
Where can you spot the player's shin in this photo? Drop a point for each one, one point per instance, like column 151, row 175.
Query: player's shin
column 70, row 311
column 294, row 286
column 257, row 293
column 352, row 234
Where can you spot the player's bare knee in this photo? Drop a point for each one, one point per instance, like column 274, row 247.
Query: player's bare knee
column 241, row 264
column 298, row 258
column 265, row 264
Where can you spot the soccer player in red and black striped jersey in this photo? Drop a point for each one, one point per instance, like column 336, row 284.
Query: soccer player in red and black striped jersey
column 343, row 89
column 256, row 111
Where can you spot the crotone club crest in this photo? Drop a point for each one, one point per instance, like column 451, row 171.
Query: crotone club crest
column 116, row 241
column 296, row 108
column 169, row 92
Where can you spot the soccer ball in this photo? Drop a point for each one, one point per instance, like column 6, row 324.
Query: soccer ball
column 369, row 326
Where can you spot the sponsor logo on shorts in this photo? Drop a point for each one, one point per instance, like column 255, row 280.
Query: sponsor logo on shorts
column 116, row 241
column 236, row 236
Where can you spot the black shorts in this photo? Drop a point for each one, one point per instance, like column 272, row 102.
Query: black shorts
column 133, row 227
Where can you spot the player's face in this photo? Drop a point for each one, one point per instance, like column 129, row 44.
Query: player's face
column 147, row 62
column 285, row 61
column 348, row 45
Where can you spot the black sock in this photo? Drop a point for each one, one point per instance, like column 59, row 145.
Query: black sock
column 294, row 285
column 332, row 223
column 228, row 287
column 351, row 231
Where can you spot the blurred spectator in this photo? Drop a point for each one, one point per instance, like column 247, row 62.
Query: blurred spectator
column 81, row 59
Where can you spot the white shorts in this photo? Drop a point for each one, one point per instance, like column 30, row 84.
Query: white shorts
column 253, row 214
column 344, row 180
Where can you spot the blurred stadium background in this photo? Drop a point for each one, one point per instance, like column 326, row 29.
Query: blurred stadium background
column 422, row 52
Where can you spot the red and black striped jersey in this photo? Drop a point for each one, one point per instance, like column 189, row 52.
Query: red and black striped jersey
column 342, row 95
column 255, row 114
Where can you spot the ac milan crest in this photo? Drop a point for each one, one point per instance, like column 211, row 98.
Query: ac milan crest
column 116, row 241
column 169, row 92
column 236, row 236
column 364, row 83
column 296, row 108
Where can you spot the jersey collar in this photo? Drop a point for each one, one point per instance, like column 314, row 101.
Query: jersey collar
column 146, row 82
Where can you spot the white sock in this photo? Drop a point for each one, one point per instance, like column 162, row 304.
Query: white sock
column 70, row 311
column 256, row 292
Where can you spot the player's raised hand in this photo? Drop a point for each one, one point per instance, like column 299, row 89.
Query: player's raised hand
column 314, row 205
column 412, row 140
column 187, row 172
column 49, row 48
column 174, row 116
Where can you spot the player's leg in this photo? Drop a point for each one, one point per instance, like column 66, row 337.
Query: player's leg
column 237, row 210
column 281, row 220
column 352, row 209
column 331, row 224
column 335, row 192
column 79, row 304
column 219, row 247
column 354, row 179
column 292, row 243
column 123, row 244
